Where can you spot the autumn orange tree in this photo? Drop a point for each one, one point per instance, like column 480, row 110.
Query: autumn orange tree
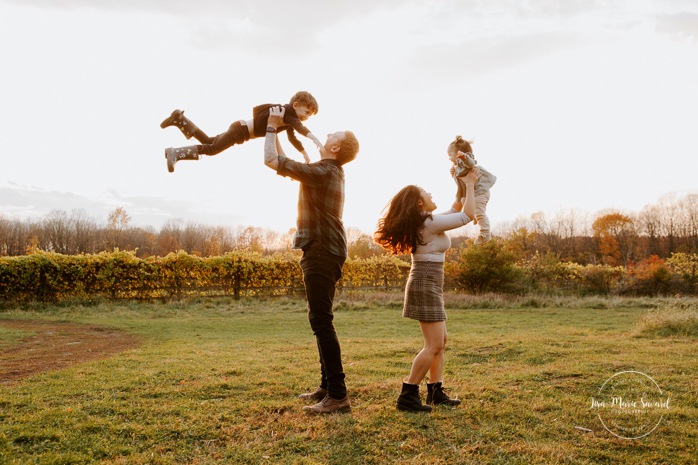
column 615, row 233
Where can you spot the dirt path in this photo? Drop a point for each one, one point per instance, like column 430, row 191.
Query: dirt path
column 58, row 345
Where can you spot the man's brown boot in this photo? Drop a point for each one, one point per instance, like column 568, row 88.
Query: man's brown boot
column 329, row 405
column 317, row 394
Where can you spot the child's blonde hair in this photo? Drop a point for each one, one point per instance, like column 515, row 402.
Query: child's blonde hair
column 462, row 145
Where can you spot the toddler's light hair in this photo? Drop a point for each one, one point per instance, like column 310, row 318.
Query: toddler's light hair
column 462, row 144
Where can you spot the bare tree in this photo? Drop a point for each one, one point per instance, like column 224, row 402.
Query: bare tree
column 169, row 238
column 649, row 222
column 250, row 238
column 57, row 228
column 668, row 223
column 143, row 240
column 193, row 238
column 212, row 246
column 85, row 232
column 688, row 208
column 117, row 222
column 5, row 227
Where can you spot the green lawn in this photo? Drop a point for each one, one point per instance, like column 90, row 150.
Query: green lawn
column 9, row 337
column 215, row 382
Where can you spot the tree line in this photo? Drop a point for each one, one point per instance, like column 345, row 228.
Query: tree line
column 75, row 232
column 611, row 237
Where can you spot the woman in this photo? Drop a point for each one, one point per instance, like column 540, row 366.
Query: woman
column 408, row 225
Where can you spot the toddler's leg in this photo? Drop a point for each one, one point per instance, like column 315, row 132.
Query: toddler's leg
column 482, row 197
column 173, row 155
column 185, row 125
column 237, row 133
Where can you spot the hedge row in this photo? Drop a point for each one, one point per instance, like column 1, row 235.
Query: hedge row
column 490, row 268
column 119, row 274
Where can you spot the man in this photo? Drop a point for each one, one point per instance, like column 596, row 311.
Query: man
column 321, row 236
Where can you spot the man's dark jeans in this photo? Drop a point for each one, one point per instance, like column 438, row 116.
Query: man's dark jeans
column 321, row 271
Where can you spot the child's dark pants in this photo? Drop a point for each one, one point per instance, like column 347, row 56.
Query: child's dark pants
column 237, row 133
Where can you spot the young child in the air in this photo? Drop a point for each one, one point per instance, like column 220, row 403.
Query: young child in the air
column 460, row 152
column 301, row 107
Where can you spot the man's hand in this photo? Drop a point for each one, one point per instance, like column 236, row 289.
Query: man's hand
column 276, row 117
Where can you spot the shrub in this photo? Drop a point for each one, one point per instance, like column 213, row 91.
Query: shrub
column 599, row 279
column 685, row 267
column 545, row 272
column 648, row 277
column 489, row 267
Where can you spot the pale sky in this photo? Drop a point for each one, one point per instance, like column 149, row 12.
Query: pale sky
column 573, row 104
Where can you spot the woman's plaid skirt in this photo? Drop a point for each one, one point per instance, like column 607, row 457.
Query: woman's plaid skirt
column 424, row 292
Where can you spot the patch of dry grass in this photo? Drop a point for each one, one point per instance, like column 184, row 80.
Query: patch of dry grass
column 676, row 318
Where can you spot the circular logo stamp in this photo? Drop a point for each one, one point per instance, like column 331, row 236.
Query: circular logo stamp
column 630, row 405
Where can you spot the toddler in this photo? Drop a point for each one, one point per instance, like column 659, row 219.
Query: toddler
column 301, row 107
column 460, row 152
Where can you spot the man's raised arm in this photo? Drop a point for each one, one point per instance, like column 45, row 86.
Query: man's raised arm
column 271, row 146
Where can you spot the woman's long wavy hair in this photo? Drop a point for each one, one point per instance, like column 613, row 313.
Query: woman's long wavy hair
column 399, row 227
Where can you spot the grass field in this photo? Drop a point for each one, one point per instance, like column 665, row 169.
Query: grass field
column 215, row 382
column 9, row 337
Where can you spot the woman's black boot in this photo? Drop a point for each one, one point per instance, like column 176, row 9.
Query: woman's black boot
column 409, row 400
column 437, row 396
